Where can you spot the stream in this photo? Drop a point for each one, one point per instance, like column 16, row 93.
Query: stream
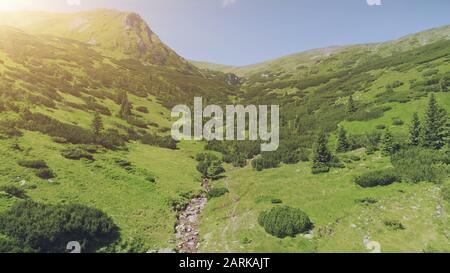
column 187, row 227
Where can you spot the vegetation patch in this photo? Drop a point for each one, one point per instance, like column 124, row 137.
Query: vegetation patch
column 420, row 164
column 33, row 164
column 217, row 192
column 394, row 225
column 76, row 153
column 14, row 191
column 210, row 166
column 40, row 228
column 285, row 221
column 377, row 178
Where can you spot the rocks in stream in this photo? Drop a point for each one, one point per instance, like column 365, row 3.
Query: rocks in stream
column 187, row 228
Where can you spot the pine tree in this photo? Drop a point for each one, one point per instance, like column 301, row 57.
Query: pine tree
column 125, row 106
column 444, row 84
column 97, row 124
column 121, row 96
column 351, row 106
column 388, row 146
column 434, row 127
column 342, row 143
column 414, row 131
column 322, row 156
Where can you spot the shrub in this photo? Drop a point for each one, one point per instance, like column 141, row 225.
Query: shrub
column 446, row 192
column 320, row 169
column 217, row 192
column 394, row 225
column 159, row 141
column 285, row 221
column 419, row 164
column 59, row 140
column 366, row 201
column 33, row 164
column 46, row 125
column 266, row 161
column 377, row 178
column 142, row 109
column 398, row 122
column 137, row 122
column 45, row 173
column 381, row 127
column 14, row 191
column 76, row 154
column 276, row 201
column 124, row 164
column 34, row 227
column 151, row 178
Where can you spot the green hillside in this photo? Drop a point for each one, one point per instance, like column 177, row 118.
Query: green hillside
column 85, row 103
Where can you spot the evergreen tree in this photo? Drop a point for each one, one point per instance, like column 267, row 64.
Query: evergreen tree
column 414, row 131
column 434, row 127
column 388, row 146
column 121, row 96
column 125, row 106
column 322, row 156
column 444, row 84
column 97, row 124
column 342, row 143
column 351, row 106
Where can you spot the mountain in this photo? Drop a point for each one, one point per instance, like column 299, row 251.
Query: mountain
column 120, row 34
column 302, row 60
column 85, row 119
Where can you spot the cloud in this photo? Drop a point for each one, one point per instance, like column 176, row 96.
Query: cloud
column 374, row 2
column 226, row 3
column 74, row 2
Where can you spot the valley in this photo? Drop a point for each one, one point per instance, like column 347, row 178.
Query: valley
column 85, row 120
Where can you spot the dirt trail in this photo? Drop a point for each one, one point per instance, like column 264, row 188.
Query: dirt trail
column 187, row 227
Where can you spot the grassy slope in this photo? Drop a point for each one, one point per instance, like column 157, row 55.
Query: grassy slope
column 141, row 209
column 230, row 222
column 295, row 63
column 330, row 199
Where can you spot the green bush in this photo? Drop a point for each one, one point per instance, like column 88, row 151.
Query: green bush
column 45, row 173
column 377, row 178
column 446, row 192
column 159, row 141
column 34, row 227
column 59, row 140
column 398, row 122
column 142, row 109
column 285, row 221
column 394, row 225
column 320, row 169
column 266, row 161
column 33, row 164
column 276, row 201
column 76, row 154
column 420, row 164
column 366, row 201
column 217, row 192
column 210, row 166
column 14, row 191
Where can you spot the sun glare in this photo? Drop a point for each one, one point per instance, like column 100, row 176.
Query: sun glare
column 11, row 5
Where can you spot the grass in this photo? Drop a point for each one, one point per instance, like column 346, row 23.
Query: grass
column 141, row 209
column 329, row 200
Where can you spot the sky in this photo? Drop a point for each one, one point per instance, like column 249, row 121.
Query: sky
column 242, row 32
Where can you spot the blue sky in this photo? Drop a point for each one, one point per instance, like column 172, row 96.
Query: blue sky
column 240, row 32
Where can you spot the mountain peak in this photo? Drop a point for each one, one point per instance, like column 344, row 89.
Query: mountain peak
column 122, row 34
